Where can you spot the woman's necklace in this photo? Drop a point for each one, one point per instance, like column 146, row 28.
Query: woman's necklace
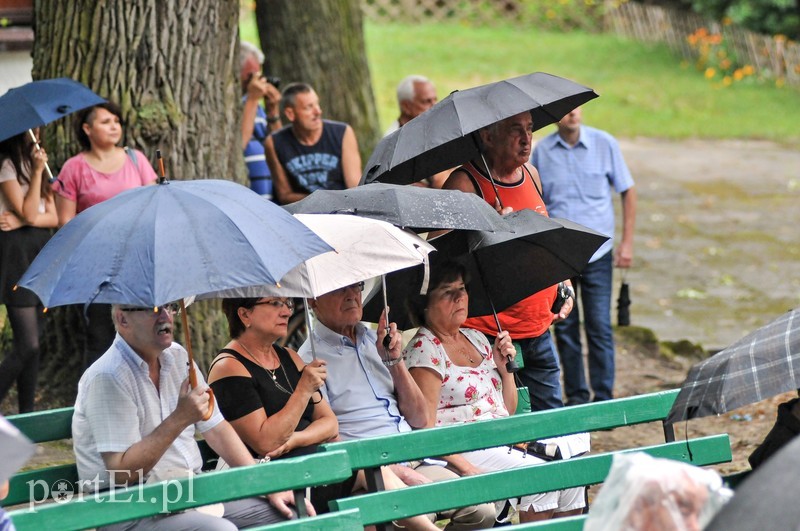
column 458, row 347
column 271, row 371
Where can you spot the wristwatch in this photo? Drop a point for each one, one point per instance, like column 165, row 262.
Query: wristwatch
column 392, row 363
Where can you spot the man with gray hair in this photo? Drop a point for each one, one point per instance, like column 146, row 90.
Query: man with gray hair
column 257, row 122
column 135, row 419
column 415, row 95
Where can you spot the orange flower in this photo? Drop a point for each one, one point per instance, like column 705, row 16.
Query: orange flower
column 748, row 70
column 725, row 64
column 726, row 81
column 710, row 73
column 738, row 74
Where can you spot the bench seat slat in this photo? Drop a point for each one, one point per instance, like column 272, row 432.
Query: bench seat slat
column 392, row 505
column 339, row 520
column 388, row 449
column 107, row 508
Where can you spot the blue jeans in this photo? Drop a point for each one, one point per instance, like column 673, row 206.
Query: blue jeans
column 541, row 373
column 593, row 290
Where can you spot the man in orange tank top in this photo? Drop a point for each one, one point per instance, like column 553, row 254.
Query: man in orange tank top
column 507, row 149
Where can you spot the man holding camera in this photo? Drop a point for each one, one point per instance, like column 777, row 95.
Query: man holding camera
column 514, row 185
column 311, row 153
column 257, row 123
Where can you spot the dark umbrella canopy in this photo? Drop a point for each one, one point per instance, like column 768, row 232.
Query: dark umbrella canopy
column 156, row 244
column 763, row 364
column 767, row 499
column 504, row 267
column 421, row 209
column 40, row 102
column 445, row 135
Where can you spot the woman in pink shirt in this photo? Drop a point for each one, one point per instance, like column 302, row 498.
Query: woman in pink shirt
column 99, row 172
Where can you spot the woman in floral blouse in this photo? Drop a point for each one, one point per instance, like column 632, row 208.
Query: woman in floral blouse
column 464, row 379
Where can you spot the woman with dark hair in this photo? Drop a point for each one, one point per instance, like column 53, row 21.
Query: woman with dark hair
column 270, row 397
column 99, row 172
column 27, row 213
column 273, row 400
column 464, row 379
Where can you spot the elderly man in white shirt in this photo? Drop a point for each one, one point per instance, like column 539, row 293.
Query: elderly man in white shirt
column 135, row 419
column 373, row 393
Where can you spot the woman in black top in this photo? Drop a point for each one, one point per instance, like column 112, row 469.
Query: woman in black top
column 270, row 397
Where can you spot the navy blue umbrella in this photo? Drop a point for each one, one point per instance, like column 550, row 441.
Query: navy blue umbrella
column 40, row 102
column 155, row 244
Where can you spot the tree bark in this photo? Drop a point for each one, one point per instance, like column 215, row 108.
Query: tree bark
column 173, row 68
column 322, row 43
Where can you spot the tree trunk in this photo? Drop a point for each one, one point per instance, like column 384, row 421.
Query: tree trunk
column 173, row 68
column 322, row 43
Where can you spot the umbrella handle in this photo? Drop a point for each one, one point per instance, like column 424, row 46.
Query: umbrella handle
column 192, row 367
column 39, row 148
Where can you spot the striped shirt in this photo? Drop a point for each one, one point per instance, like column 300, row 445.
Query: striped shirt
column 118, row 405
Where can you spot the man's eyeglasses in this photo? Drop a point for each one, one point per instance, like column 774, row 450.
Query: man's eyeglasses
column 169, row 308
column 277, row 303
column 358, row 286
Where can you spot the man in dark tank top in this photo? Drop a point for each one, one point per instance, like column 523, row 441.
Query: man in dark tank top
column 311, row 153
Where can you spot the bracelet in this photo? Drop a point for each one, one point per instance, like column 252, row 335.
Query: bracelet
column 392, row 363
column 273, row 119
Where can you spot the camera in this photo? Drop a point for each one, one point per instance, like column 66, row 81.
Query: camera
column 564, row 292
column 275, row 81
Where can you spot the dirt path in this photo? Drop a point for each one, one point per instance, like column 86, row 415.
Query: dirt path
column 717, row 237
column 717, row 256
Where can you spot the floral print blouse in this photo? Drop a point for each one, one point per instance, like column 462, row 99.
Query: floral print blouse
column 468, row 394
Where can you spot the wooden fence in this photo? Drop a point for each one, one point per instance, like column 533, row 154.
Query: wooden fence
column 770, row 57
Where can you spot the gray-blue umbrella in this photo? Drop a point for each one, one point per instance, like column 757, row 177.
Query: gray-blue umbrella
column 156, row 244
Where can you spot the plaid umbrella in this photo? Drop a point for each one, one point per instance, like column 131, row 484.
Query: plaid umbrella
column 758, row 366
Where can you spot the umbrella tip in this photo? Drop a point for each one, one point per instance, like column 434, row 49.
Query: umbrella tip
column 15, row 287
column 44, row 310
column 277, row 284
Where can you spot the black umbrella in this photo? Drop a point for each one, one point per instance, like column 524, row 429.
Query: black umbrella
column 421, row 209
column 763, row 364
column 767, row 499
column 624, row 303
column 505, row 267
column 445, row 135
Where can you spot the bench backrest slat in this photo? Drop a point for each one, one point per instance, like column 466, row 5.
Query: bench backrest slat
column 44, row 426
column 396, row 504
column 126, row 504
column 36, row 484
column 397, row 448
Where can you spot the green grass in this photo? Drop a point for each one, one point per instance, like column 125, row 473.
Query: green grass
column 644, row 90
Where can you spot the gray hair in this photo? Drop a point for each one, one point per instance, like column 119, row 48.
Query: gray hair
column 248, row 50
column 291, row 91
column 405, row 89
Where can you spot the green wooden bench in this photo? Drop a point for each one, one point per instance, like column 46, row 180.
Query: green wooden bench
column 41, row 426
column 385, row 506
column 372, row 453
column 88, row 511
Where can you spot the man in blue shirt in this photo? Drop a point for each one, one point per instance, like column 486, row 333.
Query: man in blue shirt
column 257, row 122
column 578, row 165
column 371, row 391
